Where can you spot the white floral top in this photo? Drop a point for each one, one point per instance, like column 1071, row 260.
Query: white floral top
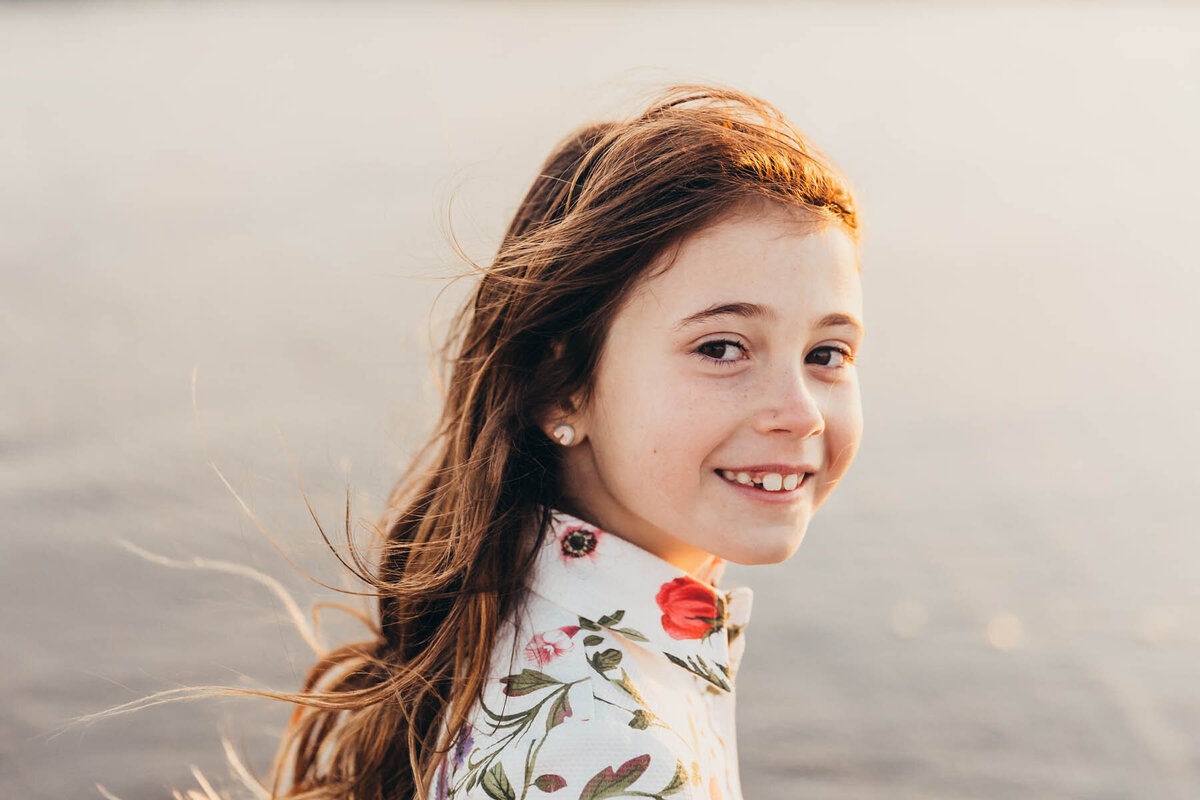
column 615, row 680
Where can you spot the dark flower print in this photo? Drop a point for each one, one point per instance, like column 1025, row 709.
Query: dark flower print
column 578, row 542
column 691, row 610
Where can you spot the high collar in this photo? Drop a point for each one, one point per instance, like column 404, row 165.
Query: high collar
column 613, row 584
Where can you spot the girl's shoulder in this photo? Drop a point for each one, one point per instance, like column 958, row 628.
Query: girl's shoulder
column 567, row 706
column 614, row 677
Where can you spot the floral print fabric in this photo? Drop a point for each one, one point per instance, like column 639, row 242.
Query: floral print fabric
column 615, row 680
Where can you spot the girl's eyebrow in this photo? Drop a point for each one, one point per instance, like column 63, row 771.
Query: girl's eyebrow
column 757, row 311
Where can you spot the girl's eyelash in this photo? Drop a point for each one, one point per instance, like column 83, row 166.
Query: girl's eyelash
column 847, row 356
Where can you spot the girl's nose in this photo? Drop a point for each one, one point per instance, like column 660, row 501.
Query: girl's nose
column 789, row 407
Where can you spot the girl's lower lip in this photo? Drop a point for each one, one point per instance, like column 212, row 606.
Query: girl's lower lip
column 762, row 495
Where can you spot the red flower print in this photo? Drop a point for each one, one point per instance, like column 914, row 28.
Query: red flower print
column 690, row 609
column 548, row 645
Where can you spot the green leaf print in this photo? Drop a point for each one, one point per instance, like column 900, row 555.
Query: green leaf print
column 610, row 783
column 608, row 620
column 676, row 782
column 630, row 633
column 530, row 680
column 606, row 659
column 592, row 640
column 560, row 709
column 517, row 725
column 495, row 784
column 698, row 666
column 641, row 719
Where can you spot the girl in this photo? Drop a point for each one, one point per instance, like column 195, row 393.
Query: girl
column 656, row 375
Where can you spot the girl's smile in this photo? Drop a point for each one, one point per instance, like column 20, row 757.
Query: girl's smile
column 772, row 487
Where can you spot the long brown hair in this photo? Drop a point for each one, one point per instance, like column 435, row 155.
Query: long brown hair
column 374, row 718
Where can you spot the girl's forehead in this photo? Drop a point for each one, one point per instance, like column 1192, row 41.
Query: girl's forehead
column 768, row 261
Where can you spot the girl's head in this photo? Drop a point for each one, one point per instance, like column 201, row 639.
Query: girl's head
column 681, row 288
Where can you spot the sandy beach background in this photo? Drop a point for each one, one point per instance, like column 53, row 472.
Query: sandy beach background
column 1001, row 600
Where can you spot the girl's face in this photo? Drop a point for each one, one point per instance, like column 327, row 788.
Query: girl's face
column 738, row 358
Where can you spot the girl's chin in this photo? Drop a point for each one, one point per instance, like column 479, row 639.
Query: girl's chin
column 753, row 546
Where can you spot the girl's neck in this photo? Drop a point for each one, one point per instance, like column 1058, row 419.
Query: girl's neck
column 701, row 565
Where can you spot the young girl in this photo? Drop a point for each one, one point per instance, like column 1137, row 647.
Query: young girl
column 656, row 375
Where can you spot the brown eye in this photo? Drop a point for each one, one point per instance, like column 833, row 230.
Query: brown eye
column 719, row 351
column 847, row 356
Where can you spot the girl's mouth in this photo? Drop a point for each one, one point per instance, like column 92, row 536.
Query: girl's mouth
column 767, row 483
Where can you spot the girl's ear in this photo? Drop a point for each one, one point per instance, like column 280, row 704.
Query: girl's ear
column 565, row 427
column 564, row 414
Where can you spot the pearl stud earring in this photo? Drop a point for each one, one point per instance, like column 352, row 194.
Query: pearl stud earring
column 565, row 434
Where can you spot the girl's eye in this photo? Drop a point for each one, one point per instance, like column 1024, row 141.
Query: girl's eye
column 722, row 347
column 847, row 356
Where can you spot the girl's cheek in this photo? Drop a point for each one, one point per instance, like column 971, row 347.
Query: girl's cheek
column 844, row 432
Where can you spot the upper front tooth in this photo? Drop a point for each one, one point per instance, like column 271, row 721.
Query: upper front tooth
column 772, row 481
column 791, row 482
column 729, row 475
column 743, row 477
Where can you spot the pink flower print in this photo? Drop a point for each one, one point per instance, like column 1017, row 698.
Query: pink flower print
column 548, row 645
